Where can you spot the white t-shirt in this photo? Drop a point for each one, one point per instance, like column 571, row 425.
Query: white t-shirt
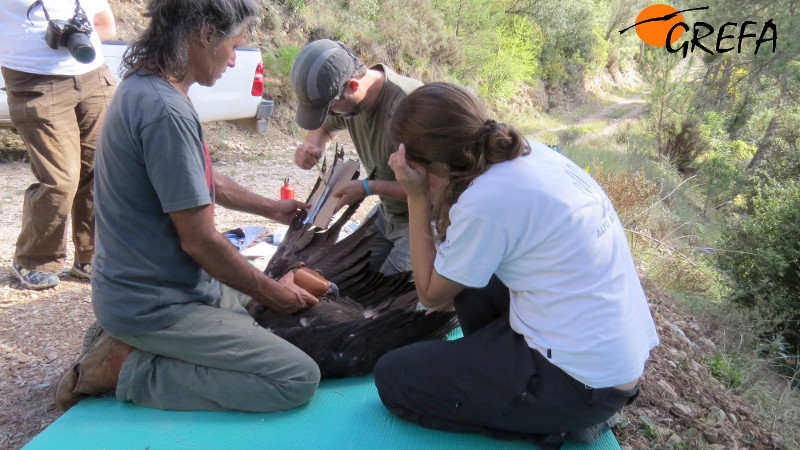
column 549, row 233
column 22, row 41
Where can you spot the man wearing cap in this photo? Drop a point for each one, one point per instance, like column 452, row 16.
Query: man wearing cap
column 336, row 91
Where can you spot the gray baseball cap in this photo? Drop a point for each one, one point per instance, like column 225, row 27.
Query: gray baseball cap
column 319, row 73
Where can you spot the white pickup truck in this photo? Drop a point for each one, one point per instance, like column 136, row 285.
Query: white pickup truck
column 235, row 97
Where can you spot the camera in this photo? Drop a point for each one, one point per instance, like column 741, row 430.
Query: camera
column 72, row 34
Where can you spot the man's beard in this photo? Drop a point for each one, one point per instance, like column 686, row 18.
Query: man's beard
column 345, row 115
column 356, row 109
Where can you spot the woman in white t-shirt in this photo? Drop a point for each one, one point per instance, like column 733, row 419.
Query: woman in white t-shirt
column 533, row 256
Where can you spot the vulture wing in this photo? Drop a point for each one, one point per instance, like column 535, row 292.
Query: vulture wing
column 373, row 314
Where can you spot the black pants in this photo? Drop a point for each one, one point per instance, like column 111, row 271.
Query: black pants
column 490, row 381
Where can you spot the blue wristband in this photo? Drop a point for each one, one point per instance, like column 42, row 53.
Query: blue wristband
column 366, row 187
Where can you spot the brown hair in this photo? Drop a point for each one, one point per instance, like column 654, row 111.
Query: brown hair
column 442, row 122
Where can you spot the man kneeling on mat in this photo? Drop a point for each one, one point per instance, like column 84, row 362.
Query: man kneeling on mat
column 171, row 342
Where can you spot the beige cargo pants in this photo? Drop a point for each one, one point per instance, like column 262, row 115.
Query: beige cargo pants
column 59, row 118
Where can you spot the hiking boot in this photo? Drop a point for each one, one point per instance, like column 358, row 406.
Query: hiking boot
column 590, row 435
column 32, row 279
column 81, row 270
column 95, row 373
column 93, row 333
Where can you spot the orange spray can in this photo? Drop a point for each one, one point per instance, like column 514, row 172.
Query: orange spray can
column 287, row 191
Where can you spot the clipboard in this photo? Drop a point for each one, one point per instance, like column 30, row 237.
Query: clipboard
column 322, row 201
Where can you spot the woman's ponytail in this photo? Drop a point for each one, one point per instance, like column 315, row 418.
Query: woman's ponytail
column 500, row 142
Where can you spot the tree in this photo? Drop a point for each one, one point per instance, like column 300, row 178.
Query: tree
column 571, row 30
column 669, row 80
column 513, row 59
column 501, row 52
column 621, row 14
column 722, row 167
column 744, row 82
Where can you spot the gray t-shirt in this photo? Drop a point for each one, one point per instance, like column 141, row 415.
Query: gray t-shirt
column 370, row 131
column 151, row 160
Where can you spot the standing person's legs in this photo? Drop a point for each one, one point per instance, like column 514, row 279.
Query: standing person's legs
column 42, row 108
column 216, row 359
column 95, row 90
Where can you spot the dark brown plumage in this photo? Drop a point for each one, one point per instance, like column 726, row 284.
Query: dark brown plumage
column 373, row 313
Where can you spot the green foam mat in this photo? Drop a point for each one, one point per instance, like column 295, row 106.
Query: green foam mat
column 344, row 414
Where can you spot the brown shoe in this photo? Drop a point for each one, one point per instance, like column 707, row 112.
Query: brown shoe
column 96, row 372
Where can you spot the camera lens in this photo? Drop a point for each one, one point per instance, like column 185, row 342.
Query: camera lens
column 81, row 48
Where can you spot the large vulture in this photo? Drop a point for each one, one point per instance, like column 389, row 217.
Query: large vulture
column 372, row 313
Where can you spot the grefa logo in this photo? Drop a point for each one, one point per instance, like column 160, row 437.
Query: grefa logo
column 662, row 25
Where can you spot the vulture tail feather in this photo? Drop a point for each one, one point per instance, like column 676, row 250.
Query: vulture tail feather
column 352, row 348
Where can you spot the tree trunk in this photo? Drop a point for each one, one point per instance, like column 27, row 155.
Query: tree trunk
column 724, row 84
column 763, row 144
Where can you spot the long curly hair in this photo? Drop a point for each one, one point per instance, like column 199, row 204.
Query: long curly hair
column 163, row 48
column 442, row 122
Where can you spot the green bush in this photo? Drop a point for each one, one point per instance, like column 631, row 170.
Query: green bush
column 724, row 370
column 570, row 38
column 278, row 67
column 500, row 52
column 722, row 167
column 415, row 39
column 782, row 161
column 280, row 64
column 291, row 7
column 683, row 144
column 761, row 253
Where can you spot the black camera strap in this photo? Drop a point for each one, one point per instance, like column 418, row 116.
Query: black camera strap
column 78, row 9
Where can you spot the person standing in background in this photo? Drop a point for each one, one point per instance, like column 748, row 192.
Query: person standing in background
column 58, row 89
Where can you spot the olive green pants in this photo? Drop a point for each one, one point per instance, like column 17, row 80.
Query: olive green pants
column 59, row 118
column 216, row 358
column 390, row 252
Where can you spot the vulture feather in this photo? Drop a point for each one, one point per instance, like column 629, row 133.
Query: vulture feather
column 373, row 313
